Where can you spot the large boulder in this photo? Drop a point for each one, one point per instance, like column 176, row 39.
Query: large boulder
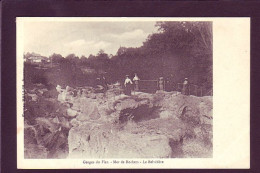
column 88, row 109
column 166, row 114
column 33, row 150
column 66, row 96
column 33, row 97
column 94, row 115
column 51, row 94
column 165, row 125
column 104, row 141
column 72, row 113
column 196, row 110
column 58, row 88
column 126, row 103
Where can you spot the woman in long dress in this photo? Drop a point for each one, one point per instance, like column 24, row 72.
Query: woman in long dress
column 128, row 85
column 136, row 82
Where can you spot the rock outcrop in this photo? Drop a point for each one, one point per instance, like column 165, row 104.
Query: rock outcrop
column 86, row 123
column 104, row 141
column 142, row 126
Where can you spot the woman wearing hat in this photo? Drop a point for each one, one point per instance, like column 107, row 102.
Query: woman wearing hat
column 128, row 85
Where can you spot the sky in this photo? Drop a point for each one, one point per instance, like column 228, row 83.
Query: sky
column 84, row 38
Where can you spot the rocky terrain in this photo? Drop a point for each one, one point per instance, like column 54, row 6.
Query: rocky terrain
column 87, row 123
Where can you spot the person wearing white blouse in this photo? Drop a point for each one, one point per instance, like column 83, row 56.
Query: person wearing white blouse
column 128, row 85
column 136, row 81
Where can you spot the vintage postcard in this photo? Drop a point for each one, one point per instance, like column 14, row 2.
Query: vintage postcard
column 133, row 93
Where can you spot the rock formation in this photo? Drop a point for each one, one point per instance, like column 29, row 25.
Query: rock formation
column 88, row 124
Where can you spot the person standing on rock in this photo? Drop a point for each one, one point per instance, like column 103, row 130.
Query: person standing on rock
column 185, row 87
column 136, row 81
column 128, row 85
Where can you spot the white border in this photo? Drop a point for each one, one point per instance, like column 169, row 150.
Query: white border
column 231, row 99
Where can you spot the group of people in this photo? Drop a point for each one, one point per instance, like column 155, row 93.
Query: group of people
column 129, row 84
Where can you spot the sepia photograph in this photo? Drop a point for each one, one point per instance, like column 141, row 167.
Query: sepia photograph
column 116, row 89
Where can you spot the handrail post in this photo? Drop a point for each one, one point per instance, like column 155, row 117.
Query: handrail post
column 161, row 84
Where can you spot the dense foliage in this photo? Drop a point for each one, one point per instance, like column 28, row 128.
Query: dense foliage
column 176, row 51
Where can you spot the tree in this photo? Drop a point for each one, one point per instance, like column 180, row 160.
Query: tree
column 72, row 58
column 56, row 58
column 121, row 51
column 100, row 62
column 83, row 60
column 90, row 57
column 101, row 51
column 185, row 46
column 177, row 50
column 196, row 36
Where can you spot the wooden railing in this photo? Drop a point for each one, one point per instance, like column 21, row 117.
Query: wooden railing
column 195, row 90
column 151, row 86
